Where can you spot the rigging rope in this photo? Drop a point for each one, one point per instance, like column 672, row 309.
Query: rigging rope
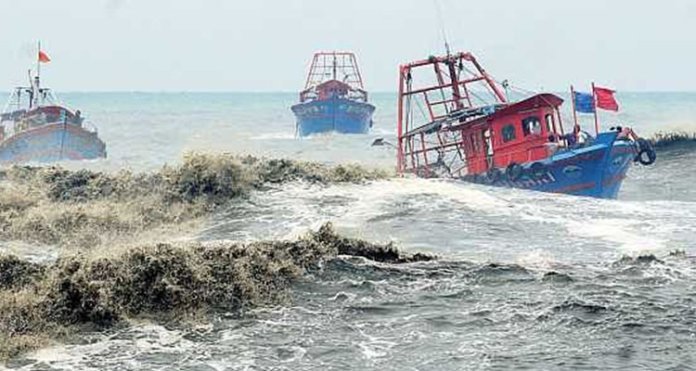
column 443, row 29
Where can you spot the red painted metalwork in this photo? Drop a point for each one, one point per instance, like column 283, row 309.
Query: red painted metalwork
column 331, row 70
column 460, row 132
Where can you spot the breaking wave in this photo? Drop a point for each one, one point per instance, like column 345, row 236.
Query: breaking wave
column 51, row 205
column 107, row 272
column 665, row 141
column 39, row 302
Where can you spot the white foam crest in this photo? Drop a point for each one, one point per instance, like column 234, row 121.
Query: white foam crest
column 624, row 233
column 150, row 339
column 373, row 347
column 633, row 227
column 381, row 192
column 299, row 208
column 283, row 135
column 541, row 259
column 630, row 227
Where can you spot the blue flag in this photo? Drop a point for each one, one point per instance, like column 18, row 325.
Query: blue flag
column 584, row 103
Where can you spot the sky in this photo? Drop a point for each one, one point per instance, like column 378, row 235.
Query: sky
column 266, row 45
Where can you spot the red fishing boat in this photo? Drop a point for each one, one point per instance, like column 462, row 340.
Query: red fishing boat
column 455, row 120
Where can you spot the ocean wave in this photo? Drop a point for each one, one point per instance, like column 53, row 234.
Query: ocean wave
column 51, row 205
column 664, row 141
column 167, row 281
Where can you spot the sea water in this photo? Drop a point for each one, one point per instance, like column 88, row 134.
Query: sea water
column 525, row 280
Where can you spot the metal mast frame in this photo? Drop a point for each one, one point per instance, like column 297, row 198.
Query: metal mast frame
column 456, row 77
column 340, row 66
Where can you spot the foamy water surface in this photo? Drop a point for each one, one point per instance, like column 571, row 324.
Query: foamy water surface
column 525, row 280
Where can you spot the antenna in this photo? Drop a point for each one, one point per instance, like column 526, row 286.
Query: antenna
column 443, row 29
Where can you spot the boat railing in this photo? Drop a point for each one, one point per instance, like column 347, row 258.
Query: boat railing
column 311, row 96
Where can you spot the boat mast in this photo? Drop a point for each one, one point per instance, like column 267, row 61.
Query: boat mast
column 36, row 84
column 38, row 62
column 334, row 65
column 29, row 90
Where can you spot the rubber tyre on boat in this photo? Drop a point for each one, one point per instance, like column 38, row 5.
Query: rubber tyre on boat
column 646, row 149
column 514, row 172
column 493, row 176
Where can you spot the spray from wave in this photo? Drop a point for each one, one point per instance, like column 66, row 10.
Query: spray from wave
column 112, row 275
column 39, row 302
column 84, row 208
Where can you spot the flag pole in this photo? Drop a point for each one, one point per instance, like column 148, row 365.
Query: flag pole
column 37, row 81
column 596, row 116
column 575, row 111
column 38, row 60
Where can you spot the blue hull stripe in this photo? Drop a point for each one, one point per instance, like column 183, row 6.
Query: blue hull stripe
column 50, row 143
column 333, row 115
column 597, row 170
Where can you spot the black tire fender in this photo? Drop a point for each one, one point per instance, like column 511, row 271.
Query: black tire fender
column 493, row 175
column 645, row 149
column 514, row 172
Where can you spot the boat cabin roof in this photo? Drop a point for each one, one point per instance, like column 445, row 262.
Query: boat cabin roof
column 535, row 102
column 333, row 85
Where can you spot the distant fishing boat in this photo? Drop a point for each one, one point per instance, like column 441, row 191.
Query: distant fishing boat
column 460, row 124
column 334, row 98
column 35, row 127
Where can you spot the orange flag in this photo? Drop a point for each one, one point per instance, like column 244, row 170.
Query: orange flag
column 43, row 57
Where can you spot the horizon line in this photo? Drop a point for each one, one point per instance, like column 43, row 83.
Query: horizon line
column 294, row 92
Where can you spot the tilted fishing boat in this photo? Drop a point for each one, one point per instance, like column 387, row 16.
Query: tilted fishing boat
column 35, row 127
column 334, row 98
column 455, row 120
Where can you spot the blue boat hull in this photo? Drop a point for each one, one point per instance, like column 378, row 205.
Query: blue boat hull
column 596, row 170
column 333, row 115
column 50, row 143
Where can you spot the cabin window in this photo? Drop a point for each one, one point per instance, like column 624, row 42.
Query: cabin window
column 508, row 133
column 549, row 123
column 531, row 125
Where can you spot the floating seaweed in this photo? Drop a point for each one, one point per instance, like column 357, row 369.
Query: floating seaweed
column 51, row 205
column 94, row 289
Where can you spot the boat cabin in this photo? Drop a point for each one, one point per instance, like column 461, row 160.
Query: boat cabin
column 523, row 132
column 334, row 75
column 33, row 106
column 332, row 89
column 454, row 120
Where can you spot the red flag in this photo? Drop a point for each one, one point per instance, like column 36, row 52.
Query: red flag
column 43, row 57
column 606, row 99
